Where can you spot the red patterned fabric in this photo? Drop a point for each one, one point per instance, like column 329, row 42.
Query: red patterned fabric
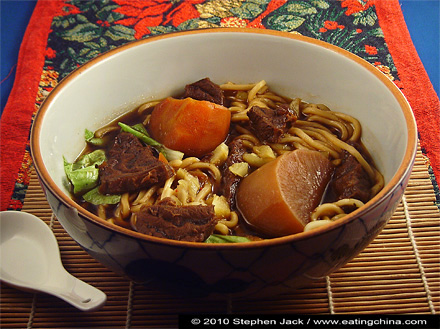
column 416, row 85
column 16, row 119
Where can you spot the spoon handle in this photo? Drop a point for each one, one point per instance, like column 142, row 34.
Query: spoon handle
column 80, row 294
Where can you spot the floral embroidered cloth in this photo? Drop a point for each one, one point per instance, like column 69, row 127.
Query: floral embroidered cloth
column 62, row 35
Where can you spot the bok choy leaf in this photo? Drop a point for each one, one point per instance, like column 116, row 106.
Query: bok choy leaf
column 84, row 173
column 95, row 197
column 89, row 136
column 218, row 238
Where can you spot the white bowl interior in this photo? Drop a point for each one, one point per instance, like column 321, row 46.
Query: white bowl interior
column 159, row 67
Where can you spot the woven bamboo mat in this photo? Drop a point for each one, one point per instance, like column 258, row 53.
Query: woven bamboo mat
column 399, row 273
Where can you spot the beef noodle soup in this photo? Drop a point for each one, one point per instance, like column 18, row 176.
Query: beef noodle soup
column 225, row 163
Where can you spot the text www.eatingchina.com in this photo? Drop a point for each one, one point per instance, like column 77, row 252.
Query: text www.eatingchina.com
column 277, row 321
column 330, row 322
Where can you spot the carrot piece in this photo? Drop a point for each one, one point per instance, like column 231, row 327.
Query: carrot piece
column 162, row 158
column 277, row 198
column 191, row 126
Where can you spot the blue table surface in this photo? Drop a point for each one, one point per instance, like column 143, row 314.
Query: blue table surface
column 421, row 16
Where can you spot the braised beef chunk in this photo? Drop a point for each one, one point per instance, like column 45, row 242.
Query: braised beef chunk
column 270, row 124
column 131, row 166
column 185, row 223
column 205, row 90
column 229, row 180
column 350, row 180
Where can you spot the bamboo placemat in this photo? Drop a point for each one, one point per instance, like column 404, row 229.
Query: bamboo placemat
column 398, row 273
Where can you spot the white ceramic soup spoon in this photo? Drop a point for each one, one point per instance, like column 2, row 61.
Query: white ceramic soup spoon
column 30, row 260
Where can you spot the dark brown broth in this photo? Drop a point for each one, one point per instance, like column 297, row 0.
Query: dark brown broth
column 133, row 117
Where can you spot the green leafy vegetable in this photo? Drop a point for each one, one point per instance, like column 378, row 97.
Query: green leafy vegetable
column 218, row 238
column 94, row 158
column 140, row 132
column 84, row 173
column 96, row 198
column 90, row 138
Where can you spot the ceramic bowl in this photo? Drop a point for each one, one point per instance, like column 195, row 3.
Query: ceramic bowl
column 159, row 66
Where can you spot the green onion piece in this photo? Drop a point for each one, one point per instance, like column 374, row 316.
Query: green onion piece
column 140, row 132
